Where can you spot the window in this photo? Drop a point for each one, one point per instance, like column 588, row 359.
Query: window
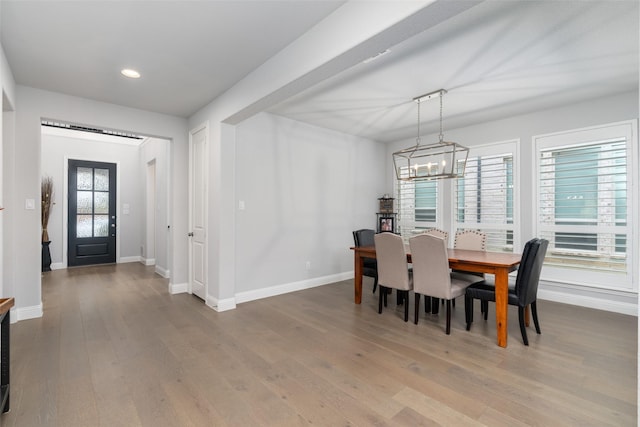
column 584, row 208
column 484, row 198
column 417, row 206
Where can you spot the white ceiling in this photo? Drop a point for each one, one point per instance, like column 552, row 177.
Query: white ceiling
column 497, row 59
column 188, row 52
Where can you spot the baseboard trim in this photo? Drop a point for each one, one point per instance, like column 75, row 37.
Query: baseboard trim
column 25, row 313
column 589, row 302
column 163, row 272
column 291, row 287
column 178, row 288
column 148, row 261
column 221, row 304
column 126, row 259
column 58, row 266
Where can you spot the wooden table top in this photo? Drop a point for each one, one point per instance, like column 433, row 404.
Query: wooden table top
column 6, row 304
column 485, row 258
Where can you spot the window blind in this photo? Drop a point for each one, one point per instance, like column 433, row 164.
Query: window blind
column 484, row 199
column 417, row 206
column 583, row 205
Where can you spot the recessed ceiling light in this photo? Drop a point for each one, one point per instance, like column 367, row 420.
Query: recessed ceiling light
column 132, row 74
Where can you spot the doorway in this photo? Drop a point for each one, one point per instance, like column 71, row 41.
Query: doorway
column 198, row 212
column 150, row 246
column 91, row 227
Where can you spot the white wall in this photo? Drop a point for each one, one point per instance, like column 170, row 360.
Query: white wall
column 157, row 150
column 57, row 150
column 7, row 138
column 305, row 189
column 32, row 105
column 595, row 112
column 333, row 45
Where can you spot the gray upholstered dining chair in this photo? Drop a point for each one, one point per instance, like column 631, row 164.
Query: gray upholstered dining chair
column 431, row 273
column 393, row 269
column 444, row 235
column 521, row 293
column 472, row 240
column 364, row 237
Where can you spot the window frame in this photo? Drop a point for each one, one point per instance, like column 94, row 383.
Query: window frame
column 608, row 280
column 414, row 225
column 488, row 150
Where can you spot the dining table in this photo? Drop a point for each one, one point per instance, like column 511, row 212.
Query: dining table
column 500, row 264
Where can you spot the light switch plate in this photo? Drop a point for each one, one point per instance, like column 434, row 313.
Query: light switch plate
column 30, row 204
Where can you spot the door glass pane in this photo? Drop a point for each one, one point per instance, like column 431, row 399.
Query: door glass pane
column 101, row 203
column 85, row 178
column 84, row 225
column 102, row 180
column 84, row 202
column 101, row 226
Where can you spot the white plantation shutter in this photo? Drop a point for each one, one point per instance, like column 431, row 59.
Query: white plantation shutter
column 417, row 206
column 484, row 199
column 585, row 204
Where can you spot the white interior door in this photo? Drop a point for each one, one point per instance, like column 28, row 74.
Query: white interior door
column 150, row 240
column 198, row 212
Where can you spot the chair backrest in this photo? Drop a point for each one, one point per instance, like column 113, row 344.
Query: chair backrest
column 529, row 271
column 363, row 237
column 430, row 261
column 471, row 240
column 393, row 269
column 444, row 235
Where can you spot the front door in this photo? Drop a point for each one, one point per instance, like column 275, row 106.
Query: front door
column 92, row 213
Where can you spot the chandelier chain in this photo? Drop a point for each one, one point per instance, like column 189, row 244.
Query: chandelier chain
column 418, row 137
column 441, row 134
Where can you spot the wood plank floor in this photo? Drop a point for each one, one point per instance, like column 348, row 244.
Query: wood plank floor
column 115, row 349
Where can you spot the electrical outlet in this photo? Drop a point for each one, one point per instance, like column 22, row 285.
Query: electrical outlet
column 308, row 265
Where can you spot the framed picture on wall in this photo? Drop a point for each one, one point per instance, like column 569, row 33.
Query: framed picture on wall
column 386, row 224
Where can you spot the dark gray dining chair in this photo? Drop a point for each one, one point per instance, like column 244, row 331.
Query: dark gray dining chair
column 522, row 293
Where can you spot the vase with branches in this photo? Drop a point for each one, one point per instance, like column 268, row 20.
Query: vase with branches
column 47, row 203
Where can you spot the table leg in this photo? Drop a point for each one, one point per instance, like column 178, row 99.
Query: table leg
column 358, row 266
column 5, row 355
column 502, row 300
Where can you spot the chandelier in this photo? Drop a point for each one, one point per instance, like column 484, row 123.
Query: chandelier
column 443, row 159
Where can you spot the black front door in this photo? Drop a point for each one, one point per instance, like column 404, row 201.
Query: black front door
column 92, row 213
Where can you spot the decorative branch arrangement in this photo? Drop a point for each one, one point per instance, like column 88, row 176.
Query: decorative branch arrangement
column 47, row 202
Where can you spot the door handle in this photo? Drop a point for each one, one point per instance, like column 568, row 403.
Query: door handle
column 190, row 234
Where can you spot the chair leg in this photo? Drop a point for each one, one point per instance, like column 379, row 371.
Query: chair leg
column 417, row 308
column 485, row 306
column 405, row 298
column 468, row 311
column 453, row 302
column 534, row 314
column 427, row 304
column 385, row 296
column 435, row 304
column 380, row 297
column 448, row 316
column 523, row 330
column 375, row 283
column 399, row 297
